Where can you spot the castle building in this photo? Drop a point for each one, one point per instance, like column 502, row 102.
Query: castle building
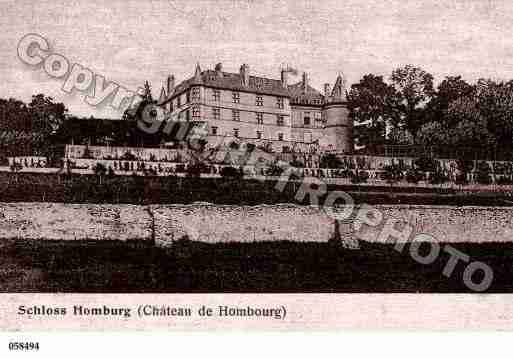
column 262, row 111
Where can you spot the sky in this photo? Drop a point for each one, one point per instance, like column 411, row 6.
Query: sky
column 129, row 42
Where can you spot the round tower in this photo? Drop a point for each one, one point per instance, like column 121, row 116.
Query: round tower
column 338, row 129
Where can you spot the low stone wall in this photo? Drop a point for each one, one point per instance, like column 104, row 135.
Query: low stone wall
column 57, row 221
column 214, row 223
column 448, row 224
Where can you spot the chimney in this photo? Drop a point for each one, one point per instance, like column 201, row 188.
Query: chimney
column 327, row 90
column 219, row 70
column 244, row 74
column 305, row 82
column 284, row 78
column 170, row 85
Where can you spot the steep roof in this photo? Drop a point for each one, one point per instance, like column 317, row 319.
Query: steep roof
column 259, row 85
column 233, row 81
column 301, row 95
column 339, row 90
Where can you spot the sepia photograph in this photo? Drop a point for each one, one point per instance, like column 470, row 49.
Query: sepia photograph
column 253, row 147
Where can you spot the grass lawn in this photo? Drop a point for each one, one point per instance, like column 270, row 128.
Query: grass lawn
column 56, row 266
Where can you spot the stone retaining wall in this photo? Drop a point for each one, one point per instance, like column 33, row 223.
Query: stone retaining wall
column 57, row 221
column 209, row 223
column 213, row 223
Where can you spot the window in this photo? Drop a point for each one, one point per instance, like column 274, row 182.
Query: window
column 236, row 132
column 187, row 115
column 236, row 97
column 195, row 93
column 187, row 97
column 318, row 116
column 259, row 134
column 280, row 120
column 236, row 115
column 259, row 101
column 279, row 102
column 307, row 118
column 214, row 130
column 178, row 104
column 216, row 95
column 280, row 136
column 260, row 118
column 216, row 113
column 195, row 112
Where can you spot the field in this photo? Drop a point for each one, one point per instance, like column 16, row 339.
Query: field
column 112, row 266
column 27, row 187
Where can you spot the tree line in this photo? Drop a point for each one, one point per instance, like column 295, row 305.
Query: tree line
column 407, row 109
column 30, row 128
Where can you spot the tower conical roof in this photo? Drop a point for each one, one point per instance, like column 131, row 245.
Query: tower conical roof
column 339, row 89
column 197, row 74
column 163, row 96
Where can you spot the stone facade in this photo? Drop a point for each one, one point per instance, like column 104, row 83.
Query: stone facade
column 287, row 117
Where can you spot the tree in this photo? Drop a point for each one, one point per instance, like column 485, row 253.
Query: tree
column 495, row 105
column 400, row 136
column 47, row 115
column 415, row 88
column 433, row 134
column 450, row 89
column 373, row 107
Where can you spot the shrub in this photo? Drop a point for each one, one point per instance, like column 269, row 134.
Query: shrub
column 438, row 177
column 16, row 166
column 426, row 164
column 359, row 177
column 87, row 153
column 393, row 173
column 234, row 145
column 330, row 161
column 296, row 163
column 464, row 167
column 274, row 170
column 414, row 176
column 230, row 172
column 504, row 180
column 99, row 169
column 483, row 173
column 196, row 170
column 128, row 156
